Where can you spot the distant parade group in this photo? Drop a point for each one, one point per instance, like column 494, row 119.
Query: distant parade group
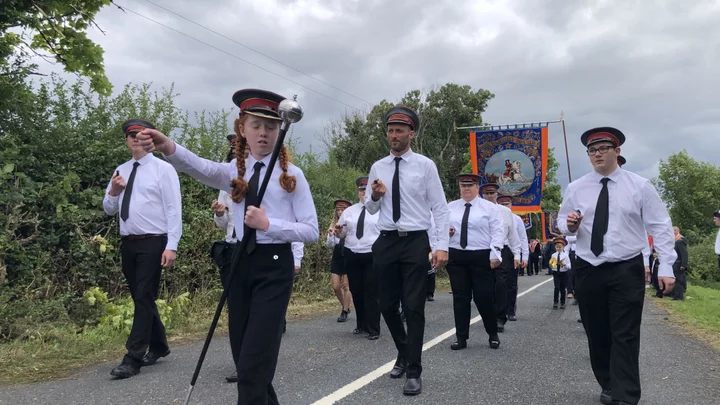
column 387, row 247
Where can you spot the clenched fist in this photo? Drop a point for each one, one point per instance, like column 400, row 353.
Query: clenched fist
column 452, row 231
column 117, row 184
column 255, row 218
column 218, row 207
column 378, row 189
column 153, row 140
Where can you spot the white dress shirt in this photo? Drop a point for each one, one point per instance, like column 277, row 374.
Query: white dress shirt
column 522, row 234
column 510, row 234
column 432, row 235
column 562, row 256
column 485, row 227
column 292, row 216
column 155, row 203
column 420, row 192
column 350, row 218
column 717, row 243
column 332, row 240
column 635, row 209
column 298, row 249
column 647, row 252
column 226, row 220
column 571, row 243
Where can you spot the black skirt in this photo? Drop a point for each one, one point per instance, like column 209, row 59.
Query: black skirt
column 337, row 263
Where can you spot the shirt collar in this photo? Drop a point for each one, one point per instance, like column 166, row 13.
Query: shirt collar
column 614, row 176
column 252, row 161
column 407, row 156
column 145, row 159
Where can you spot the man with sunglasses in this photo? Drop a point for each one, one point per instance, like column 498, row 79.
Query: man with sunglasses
column 150, row 227
column 611, row 210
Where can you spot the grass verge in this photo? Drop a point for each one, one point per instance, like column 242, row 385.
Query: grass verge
column 699, row 314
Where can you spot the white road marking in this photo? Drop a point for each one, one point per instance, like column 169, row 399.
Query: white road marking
column 385, row 368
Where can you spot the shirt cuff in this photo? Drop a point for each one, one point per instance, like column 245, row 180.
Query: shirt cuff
column 665, row 270
column 495, row 255
column 171, row 245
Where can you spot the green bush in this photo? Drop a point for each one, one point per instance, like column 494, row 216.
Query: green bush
column 702, row 260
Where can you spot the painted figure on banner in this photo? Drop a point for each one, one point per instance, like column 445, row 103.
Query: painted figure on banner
column 517, row 171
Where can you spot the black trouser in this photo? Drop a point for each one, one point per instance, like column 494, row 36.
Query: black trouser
column 560, row 280
column 430, row 283
column 512, row 289
column 571, row 273
column 402, row 264
column 142, row 269
column 678, row 291
column 610, row 298
column 471, row 278
column 257, row 303
column 533, row 264
column 362, row 278
column 501, row 289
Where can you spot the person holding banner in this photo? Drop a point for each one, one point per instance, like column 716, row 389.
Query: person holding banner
column 609, row 210
column 401, row 251
column 258, row 297
column 512, row 279
column 511, row 252
column 476, row 240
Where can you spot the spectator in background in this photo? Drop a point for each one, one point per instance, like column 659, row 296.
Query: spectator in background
column 716, row 218
column 680, row 266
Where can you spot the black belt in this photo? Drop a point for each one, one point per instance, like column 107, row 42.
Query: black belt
column 401, row 233
column 145, row 236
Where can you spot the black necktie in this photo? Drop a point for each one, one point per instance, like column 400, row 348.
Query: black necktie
column 251, row 199
column 361, row 224
column 558, row 262
column 600, row 222
column 125, row 209
column 464, row 226
column 396, row 191
column 342, row 247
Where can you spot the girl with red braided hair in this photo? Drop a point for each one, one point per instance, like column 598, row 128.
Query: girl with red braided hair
column 260, row 293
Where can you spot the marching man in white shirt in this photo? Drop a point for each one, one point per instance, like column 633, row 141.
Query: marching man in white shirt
column 512, row 279
column 610, row 210
column 150, row 225
column 511, row 252
column 359, row 228
column 476, row 241
column 401, row 251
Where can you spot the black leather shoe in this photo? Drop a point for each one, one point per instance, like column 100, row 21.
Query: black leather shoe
column 606, row 397
column 555, row 306
column 373, row 337
column 430, row 298
column 124, row 370
column 621, row 403
column 358, row 331
column 343, row 316
column 579, row 320
column 398, row 370
column 494, row 342
column 232, row 378
column 512, row 318
column 413, row 386
column 152, row 358
column 459, row 345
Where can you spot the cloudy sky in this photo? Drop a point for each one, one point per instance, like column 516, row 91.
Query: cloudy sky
column 649, row 68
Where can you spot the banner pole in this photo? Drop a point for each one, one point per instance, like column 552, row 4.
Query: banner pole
column 567, row 154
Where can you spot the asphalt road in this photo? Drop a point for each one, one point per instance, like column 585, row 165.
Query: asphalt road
column 543, row 359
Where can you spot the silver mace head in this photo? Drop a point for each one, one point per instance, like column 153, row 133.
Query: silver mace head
column 290, row 111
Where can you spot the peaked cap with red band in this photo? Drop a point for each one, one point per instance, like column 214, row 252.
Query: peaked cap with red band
column 489, row 187
column 504, row 198
column 468, row 178
column 607, row 134
column 342, row 203
column 260, row 103
column 362, row 182
column 135, row 125
column 560, row 239
column 231, row 138
column 621, row 160
column 402, row 115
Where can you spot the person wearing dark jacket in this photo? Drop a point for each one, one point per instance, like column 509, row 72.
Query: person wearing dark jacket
column 680, row 266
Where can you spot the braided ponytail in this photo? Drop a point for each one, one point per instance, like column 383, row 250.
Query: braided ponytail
column 239, row 184
column 287, row 182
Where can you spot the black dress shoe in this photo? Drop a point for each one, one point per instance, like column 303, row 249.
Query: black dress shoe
column 555, row 306
column 494, row 341
column 606, row 397
column 373, row 337
column 124, row 370
column 512, row 318
column 459, row 345
column 343, row 316
column 398, row 370
column 358, row 331
column 413, row 386
column 232, row 378
column 430, row 298
column 579, row 320
column 152, row 358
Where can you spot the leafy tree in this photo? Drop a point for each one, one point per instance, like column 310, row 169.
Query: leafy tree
column 691, row 189
column 57, row 27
